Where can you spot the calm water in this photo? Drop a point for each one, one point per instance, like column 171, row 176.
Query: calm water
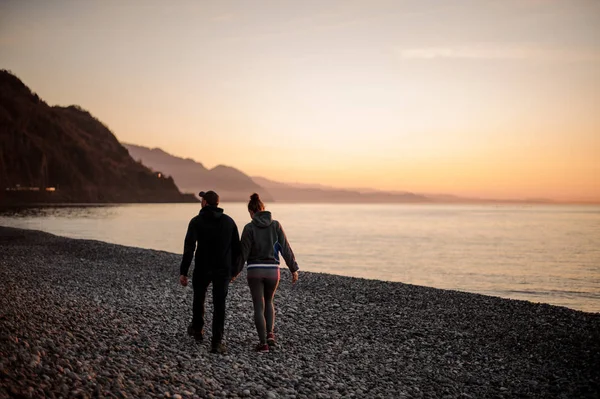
column 540, row 253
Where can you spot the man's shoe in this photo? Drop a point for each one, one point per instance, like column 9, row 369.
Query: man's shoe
column 271, row 340
column 198, row 335
column 219, row 349
column 262, row 348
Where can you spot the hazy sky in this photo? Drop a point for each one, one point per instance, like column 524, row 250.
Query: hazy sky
column 469, row 97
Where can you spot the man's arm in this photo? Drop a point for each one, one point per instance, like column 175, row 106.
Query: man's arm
column 189, row 246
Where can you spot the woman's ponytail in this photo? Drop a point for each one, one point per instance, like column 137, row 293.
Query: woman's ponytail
column 255, row 204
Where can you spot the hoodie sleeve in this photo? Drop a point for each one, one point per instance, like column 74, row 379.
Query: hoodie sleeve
column 245, row 246
column 189, row 247
column 286, row 250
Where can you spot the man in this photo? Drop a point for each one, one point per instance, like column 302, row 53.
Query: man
column 218, row 246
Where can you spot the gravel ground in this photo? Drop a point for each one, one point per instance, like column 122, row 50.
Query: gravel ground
column 82, row 318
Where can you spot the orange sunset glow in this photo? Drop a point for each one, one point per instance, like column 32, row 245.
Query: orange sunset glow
column 487, row 99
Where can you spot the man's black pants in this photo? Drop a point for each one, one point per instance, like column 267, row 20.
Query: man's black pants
column 220, row 289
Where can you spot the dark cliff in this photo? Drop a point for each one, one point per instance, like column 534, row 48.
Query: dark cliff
column 64, row 154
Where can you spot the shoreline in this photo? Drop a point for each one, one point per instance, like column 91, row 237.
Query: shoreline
column 584, row 298
column 88, row 318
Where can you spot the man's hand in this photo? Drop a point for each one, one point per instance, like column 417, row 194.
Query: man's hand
column 183, row 280
column 294, row 277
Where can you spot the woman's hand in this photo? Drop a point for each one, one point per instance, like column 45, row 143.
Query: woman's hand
column 294, row 277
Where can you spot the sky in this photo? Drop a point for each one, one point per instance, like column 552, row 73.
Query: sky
column 479, row 98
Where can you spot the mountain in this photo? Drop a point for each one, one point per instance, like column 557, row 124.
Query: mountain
column 234, row 185
column 192, row 176
column 284, row 192
column 64, row 154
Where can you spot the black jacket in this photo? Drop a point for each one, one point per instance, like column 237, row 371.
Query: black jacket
column 218, row 244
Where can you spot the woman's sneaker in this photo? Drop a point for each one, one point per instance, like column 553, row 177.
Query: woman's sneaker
column 271, row 339
column 262, row 348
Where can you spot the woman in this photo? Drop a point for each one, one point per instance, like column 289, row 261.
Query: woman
column 262, row 241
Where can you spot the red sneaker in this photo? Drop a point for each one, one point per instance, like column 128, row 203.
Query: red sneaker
column 271, row 339
column 262, row 348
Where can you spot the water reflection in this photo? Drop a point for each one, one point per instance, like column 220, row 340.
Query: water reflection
column 60, row 211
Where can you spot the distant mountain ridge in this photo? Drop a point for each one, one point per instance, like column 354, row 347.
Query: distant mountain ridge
column 192, row 176
column 290, row 192
column 234, row 185
column 64, row 154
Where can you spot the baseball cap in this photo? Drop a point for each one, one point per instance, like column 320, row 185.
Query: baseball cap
column 210, row 197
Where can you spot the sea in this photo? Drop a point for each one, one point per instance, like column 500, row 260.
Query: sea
column 538, row 253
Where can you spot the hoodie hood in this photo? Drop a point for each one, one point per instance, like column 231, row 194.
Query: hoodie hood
column 262, row 219
column 211, row 212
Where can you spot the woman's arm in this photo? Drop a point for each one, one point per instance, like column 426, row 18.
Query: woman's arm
column 286, row 250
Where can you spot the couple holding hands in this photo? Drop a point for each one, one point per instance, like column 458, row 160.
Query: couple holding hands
column 220, row 257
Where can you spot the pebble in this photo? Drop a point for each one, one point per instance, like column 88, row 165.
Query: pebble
column 90, row 319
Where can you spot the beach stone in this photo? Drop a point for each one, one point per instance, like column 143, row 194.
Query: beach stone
column 128, row 316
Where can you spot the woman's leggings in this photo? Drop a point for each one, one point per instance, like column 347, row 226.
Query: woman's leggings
column 263, row 290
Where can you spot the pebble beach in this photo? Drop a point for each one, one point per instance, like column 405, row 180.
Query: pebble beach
column 82, row 318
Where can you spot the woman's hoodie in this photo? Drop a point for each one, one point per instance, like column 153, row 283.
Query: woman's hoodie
column 262, row 241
